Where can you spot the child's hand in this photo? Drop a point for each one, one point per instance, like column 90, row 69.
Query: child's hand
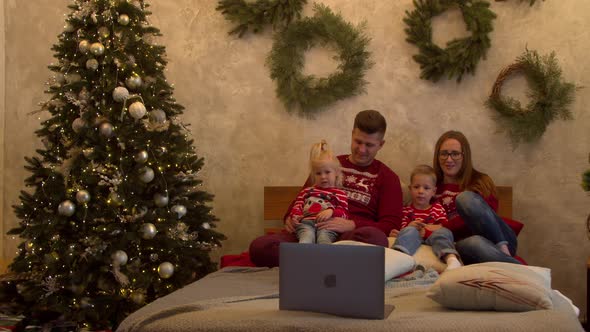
column 324, row 215
column 417, row 224
column 394, row 233
column 433, row 228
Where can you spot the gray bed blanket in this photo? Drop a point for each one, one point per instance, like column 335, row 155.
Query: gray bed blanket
column 246, row 299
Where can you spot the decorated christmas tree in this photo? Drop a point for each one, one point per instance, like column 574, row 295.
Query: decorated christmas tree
column 114, row 215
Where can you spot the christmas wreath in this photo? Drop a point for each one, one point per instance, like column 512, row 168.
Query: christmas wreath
column 549, row 97
column 309, row 94
column 255, row 15
column 461, row 55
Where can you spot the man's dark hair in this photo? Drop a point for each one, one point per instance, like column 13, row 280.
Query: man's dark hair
column 370, row 122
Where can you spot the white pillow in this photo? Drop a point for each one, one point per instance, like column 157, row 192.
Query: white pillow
column 425, row 256
column 493, row 286
column 396, row 263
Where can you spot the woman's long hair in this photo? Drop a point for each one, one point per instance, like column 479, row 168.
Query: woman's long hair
column 469, row 178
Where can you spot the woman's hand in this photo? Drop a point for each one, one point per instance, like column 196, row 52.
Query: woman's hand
column 337, row 224
column 291, row 223
column 324, row 215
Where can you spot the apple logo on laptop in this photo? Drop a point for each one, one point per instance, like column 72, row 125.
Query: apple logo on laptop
column 330, row 281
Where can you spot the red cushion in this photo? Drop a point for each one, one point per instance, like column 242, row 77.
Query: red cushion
column 242, row 259
column 515, row 225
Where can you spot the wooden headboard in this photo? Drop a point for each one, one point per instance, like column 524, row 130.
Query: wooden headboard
column 277, row 200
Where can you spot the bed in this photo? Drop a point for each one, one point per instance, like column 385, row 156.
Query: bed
column 246, row 299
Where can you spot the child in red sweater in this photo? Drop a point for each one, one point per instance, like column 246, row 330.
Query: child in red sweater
column 321, row 201
column 423, row 222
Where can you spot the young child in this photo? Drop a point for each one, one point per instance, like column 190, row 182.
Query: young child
column 323, row 200
column 423, row 222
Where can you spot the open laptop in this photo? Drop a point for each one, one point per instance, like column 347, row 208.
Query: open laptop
column 343, row 280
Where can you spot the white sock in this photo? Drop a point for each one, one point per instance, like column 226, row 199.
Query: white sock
column 453, row 263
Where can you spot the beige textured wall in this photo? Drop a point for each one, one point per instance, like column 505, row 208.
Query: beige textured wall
column 249, row 141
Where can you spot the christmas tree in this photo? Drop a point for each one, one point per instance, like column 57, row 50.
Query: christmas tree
column 114, row 216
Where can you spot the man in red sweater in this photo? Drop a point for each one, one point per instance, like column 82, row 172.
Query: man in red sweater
column 373, row 190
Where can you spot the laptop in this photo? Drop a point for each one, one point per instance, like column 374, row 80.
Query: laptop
column 343, row 280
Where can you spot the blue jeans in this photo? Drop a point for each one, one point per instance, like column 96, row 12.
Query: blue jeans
column 490, row 231
column 409, row 240
column 308, row 233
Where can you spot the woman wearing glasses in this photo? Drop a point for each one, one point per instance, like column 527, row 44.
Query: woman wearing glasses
column 469, row 197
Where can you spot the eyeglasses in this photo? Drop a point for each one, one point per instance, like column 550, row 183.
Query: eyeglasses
column 455, row 155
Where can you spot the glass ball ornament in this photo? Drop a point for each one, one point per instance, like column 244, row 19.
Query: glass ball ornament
column 180, row 211
column 134, row 82
column 106, row 129
column 137, row 110
column 60, row 78
column 137, row 297
column 148, row 231
column 123, row 19
column 82, row 196
column 206, row 225
column 66, row 208
column 73, row 78
column 104, row 32
column 160, row 200
column 115, row 199
column 97, row 49
column 166, row 270
column 157, row 116
column 84, row 46
column 141, row 157
column 120, row 94
column 119, row 257
column 146, row 174
column 92, row 64
column 68, row 27
column 78, row 124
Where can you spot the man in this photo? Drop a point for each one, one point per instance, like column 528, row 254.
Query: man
column 373, row 190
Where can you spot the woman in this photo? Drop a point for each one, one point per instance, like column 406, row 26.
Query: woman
column 469, row 197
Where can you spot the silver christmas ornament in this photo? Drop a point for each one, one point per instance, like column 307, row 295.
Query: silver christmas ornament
column 141, row 157
column 97, row 49
column 106, row 129
column 119, row 257
column 137, row 110
column 115, row 199
column 157, row 116
column 78, row 124
column 180, row 210
column 104, row 32
column 166, row 270
column 60, row 78
column 137, row 297
column 66, row 208
column 84, row 46
column 160, row 200
column 120, row 94
column 73, row 78
column 123, row 19
column 146, row 174
column 148, row 231
column 92, row 64
column 69, row 27
column 133, row 82
column 83, row 196
column 206, row 225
